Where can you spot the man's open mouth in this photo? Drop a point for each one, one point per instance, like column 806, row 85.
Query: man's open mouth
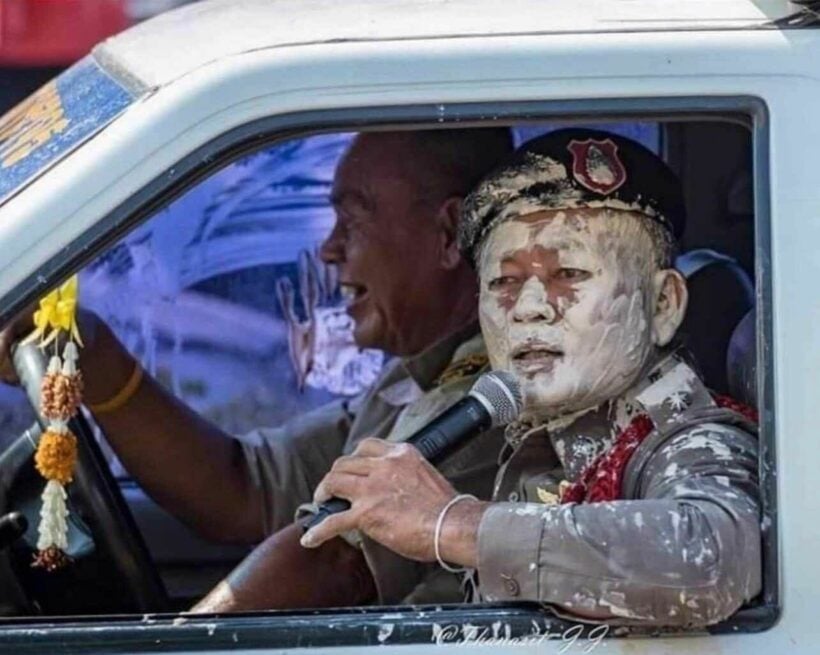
column 352, row 293
column 535, row 356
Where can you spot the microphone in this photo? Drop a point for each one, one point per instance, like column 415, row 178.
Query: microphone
column 495, row 399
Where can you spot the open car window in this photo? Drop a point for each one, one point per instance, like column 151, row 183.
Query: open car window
column 223, row 298
column 230, row 305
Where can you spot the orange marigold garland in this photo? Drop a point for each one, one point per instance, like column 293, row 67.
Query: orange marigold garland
column 56, row 455
column 60, row 398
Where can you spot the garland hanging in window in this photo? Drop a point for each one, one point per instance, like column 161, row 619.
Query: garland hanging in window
column 55, row 324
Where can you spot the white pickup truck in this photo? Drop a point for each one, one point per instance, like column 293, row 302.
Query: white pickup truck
column 185, row 154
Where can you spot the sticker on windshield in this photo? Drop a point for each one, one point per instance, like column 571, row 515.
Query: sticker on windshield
column 45, row 127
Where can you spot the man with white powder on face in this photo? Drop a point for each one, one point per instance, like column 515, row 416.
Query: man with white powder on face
column 628, row 491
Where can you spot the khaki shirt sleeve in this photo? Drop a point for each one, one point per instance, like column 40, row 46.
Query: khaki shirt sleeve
column 686, row 552
column 288, row 462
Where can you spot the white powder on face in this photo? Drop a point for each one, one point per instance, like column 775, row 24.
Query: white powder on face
column 602, row 331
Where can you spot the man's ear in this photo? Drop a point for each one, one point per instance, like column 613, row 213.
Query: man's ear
column 447, row 218
column 671, row 298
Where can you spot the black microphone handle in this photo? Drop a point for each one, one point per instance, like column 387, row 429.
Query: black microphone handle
column 435, row 441
column 463, row 419
column 327, row 508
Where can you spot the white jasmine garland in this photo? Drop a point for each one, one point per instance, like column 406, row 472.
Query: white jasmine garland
column 54, row 365
column 53, row 528
column 60, row 396
column 57, row 425
column 70, row 357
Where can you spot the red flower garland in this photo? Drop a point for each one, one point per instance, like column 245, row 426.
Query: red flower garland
column 601, row 481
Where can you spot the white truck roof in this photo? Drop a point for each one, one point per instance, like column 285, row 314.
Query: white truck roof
column 153, row 53
column 178, row 82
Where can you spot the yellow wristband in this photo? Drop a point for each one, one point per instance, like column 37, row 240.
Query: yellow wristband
column 122, row 396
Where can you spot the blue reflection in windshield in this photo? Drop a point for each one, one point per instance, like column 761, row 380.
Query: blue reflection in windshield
column 56, row 119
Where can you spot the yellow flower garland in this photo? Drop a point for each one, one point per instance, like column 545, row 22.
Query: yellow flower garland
column 57, row 313
column 60, row 398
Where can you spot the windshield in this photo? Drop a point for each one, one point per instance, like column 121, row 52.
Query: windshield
column 51, row 123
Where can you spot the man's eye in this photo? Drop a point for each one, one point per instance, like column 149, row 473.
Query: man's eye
column 501, row 282
column 351, row 214
column 573, row 274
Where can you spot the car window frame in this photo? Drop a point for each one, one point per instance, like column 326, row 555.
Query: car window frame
column 365, row 626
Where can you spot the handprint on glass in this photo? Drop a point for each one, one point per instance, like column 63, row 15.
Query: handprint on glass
column 321, row 346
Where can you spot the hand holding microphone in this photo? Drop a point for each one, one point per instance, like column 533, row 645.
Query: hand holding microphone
column 494, row 400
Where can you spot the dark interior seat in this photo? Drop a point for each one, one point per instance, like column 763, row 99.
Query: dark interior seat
column 741, row 360
column 721, row 293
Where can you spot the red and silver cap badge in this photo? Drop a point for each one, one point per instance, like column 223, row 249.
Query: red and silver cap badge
column 596, row 165
column 574, row 168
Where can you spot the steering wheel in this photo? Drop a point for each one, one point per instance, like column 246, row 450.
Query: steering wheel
column 111, row 521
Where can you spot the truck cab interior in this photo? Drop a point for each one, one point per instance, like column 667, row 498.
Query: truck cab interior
column 219, row 279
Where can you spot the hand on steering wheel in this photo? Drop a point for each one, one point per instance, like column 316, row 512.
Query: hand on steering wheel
column 20, row 326
column 111, row 521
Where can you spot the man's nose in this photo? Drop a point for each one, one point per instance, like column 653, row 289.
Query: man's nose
column 332, row 249
column 533, row 304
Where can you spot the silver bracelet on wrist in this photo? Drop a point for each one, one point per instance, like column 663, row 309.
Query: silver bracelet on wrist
column 437, row 533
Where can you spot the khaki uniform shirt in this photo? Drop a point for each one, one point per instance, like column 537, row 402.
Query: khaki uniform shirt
column 288, row 462
column 683, row 548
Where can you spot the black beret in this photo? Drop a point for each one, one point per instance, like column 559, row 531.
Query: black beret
column 573, row 168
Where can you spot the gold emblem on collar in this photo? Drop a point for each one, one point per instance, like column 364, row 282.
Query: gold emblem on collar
column 546, row 497
column 463, row 367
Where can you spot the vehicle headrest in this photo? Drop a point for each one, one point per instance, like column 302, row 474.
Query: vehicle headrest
column 741, row 360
